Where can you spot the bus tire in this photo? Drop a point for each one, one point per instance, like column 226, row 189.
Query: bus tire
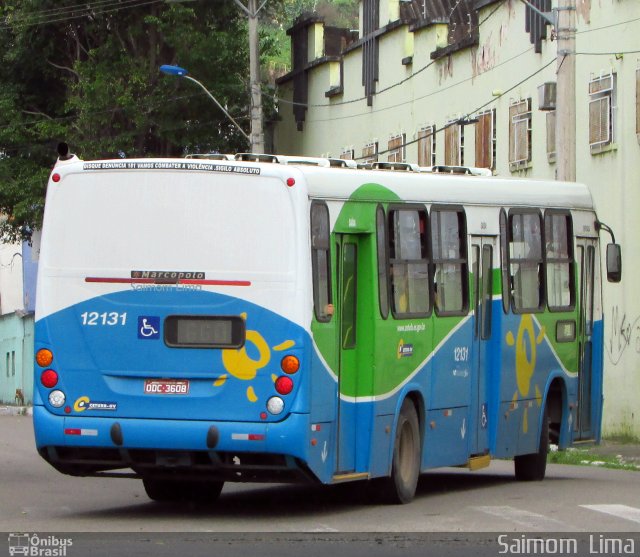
column 168, row 490
column 400, row 487
column 532, row 467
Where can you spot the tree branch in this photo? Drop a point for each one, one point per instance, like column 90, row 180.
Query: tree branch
column 75, row 73
column 37, row 113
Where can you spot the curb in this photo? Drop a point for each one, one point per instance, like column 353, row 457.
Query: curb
column 16, row 411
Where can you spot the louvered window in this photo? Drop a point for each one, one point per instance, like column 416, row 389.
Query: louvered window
column 453, row 141
column 396, row 148
column 486, row 140
column 520, row 134
column 601, row 111
column 370, row 153
column 427, row 146
column 551, row 136
column 638, row 102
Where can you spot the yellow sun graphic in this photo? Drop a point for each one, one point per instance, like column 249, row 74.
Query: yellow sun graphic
column 526, row 357
column 242, row 366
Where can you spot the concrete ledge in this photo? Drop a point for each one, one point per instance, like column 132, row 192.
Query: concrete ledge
column 11, row 410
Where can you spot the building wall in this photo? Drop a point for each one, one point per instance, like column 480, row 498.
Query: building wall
column 18, row 270
column 16, row 358
column 502, row 67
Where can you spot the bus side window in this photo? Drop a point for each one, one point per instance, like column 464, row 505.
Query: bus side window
column 558, row 236
column 408, row 262
column 321, row 262
column 448, row 248
column 526, row 261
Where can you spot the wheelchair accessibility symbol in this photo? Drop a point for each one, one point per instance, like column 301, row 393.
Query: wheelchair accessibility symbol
column 148, row 327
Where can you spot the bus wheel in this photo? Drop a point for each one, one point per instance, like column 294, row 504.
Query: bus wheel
column 164, row 490
column 532, row 467
column 400, row 487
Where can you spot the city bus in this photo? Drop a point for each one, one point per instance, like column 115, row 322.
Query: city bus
column 274, row 319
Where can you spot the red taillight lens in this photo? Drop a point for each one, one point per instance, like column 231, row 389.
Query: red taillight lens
column 44, row 357
column 290, row 364
column 49, row 378
column 284, row 385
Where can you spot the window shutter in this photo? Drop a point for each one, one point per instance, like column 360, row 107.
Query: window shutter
column 452, row 145
column 599, row 125
column 484, row 136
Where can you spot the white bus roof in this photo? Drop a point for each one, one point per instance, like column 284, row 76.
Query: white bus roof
column 323, row 182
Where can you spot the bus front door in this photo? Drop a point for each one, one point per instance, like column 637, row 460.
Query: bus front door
column 483, row 249
column 586, row 258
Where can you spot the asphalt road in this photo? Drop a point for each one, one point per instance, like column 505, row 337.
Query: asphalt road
column 454, row 511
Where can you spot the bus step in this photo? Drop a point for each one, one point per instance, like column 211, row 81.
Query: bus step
column 478, row 462
column 350, row 477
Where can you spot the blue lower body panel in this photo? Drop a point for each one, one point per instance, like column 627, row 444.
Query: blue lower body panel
column 234, row 451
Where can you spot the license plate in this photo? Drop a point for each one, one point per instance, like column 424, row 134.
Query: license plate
column 166, row 387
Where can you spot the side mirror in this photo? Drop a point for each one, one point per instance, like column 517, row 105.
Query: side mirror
column 614, row 263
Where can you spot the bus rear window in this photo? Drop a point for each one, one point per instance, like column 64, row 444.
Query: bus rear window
column 198, row 331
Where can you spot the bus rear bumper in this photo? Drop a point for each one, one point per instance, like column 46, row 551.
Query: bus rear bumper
column 230, row 451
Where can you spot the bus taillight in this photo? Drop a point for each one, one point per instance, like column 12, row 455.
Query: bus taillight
column 49, row 378
column 284, row 385
column 44, row 357
column 290, row 364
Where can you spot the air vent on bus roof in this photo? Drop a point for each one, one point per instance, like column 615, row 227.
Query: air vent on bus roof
column 470, row 170
column 256, row 157
column 210, row 156
column 404, row 166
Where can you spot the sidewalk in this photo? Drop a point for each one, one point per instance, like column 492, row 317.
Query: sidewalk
column 11, row 410
column 629, row 452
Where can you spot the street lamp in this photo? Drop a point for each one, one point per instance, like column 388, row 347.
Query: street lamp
column 181, row 72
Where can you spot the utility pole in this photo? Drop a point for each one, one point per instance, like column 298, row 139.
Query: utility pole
column 563, row 20
column 566, row 91
column 257, row 133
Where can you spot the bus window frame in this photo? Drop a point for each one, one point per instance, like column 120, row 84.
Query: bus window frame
column 315, row 275
column 542, row 289
column 505, row 276
column 425, row 248
column 462, row 261
column 571, row 261
column 382, row 260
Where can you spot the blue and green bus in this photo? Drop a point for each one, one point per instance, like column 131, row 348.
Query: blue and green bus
column 267, row 319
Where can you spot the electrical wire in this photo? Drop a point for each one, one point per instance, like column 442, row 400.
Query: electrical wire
column 87, row 13
column 468, row 114
column 64, row 9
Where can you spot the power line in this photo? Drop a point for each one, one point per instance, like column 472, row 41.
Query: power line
column 607, row 26
column 427, row 95
column 474, row 111
column 63, row 9
column 87, row 12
